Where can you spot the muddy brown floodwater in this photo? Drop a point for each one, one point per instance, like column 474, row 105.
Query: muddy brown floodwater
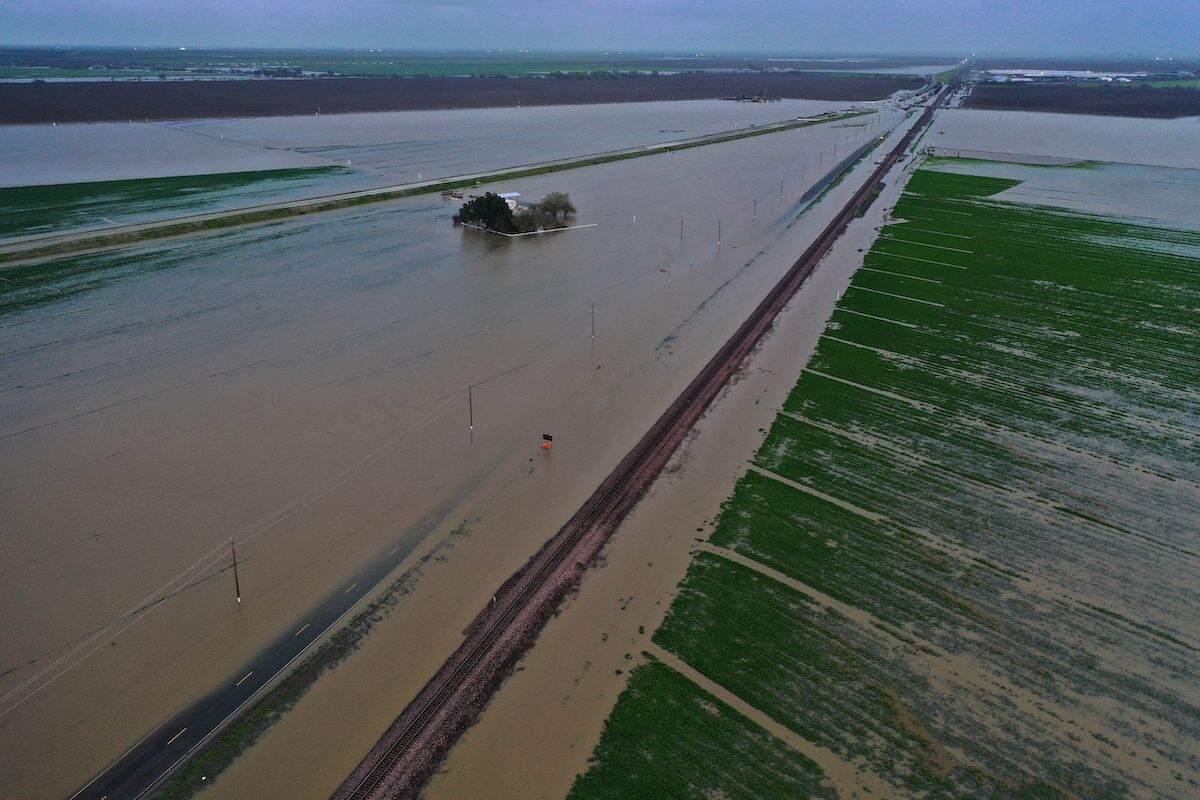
column 399, row 143
column 302, row 387
column 1158, row 142
column 540, row 729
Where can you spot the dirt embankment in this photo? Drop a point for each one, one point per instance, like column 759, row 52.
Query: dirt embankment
column 1117, row 100
column 23, row 103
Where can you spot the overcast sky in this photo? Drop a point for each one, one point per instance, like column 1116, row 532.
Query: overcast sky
column 1066, row 27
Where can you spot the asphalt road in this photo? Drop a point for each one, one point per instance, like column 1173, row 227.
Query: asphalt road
column 149, row 763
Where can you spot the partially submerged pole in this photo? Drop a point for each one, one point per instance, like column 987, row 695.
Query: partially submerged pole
column 237, row 585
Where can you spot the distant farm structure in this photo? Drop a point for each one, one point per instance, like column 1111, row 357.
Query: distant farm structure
column 761, row 97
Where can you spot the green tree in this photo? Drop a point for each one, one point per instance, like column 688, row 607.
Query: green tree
column 557, row 205
column 489, row 211
column 551, row 212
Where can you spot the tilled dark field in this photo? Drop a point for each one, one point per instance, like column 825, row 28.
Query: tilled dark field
column 108, row 101
column 1114, row 101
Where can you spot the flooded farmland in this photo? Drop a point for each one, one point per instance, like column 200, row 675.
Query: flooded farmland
column 235, row 163
column 1128, row 140
column 302, row 387
column 436, row 144
column 963, row 561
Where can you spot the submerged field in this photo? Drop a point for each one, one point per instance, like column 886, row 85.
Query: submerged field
column 29, row 210
column 303, row 386
column 77, row 177
column 963, row 563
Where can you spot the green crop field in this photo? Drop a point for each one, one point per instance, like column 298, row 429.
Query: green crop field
column 669, row 739
column 28, row 210
column 964, row 559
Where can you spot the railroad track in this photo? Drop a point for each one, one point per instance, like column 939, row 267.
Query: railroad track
column 412, row 746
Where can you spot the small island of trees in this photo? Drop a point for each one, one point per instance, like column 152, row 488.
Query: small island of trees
column 493, row 213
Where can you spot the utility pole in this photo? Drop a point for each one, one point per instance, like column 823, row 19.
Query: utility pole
column 237, row 585
column 668, row 267
column 593, row 322
column 471, row 402
column 681, row 229
column 754, row 210
column 718, row 233
column 780, row 189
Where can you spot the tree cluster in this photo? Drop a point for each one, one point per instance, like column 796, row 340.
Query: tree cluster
column 491, row 212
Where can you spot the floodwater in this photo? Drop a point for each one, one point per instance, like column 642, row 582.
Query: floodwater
column 369, row 150
column 414, row 145
column 523, row 739
column 1155, row 196
column 111, row 151
column 1156, row 142
column 483, row 139
column 302, row 387
column 542, row 726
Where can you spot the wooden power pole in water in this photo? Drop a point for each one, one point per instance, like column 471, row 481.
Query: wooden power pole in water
column 237, row 585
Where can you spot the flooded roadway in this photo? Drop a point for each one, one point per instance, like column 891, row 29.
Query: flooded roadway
column 302, row 387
